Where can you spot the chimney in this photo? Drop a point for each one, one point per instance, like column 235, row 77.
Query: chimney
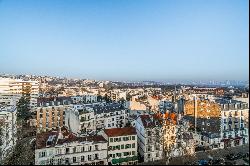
column 60, row 136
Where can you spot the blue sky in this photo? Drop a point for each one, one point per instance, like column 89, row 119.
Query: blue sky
column 126, row 39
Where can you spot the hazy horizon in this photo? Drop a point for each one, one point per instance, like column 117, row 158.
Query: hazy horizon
column 123, row 40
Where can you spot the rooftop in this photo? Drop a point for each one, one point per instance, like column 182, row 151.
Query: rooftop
column 115, row 132
column 112, row 107
column 50, row 138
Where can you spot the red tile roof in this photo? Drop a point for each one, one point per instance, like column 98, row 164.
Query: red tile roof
column 115, row 132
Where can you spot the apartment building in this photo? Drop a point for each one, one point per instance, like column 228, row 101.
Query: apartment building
column 219, row 123
column 87, row 120
column 64, row 148
column 9, row 99
column 122, row 145
column 117, row 95
column 234, row 122
column 19, row 86
column 50, row 115
column 111, row 115
column 8, row 129
column 88, row 98
column 205, row 116
column 150, row 137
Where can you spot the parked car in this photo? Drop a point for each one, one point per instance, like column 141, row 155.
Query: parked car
column 203, row 162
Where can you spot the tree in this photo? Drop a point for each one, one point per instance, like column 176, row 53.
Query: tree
column 23, row 110
column 107, row 98
column 128, row 97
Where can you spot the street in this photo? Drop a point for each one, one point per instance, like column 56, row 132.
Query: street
column 218, row 153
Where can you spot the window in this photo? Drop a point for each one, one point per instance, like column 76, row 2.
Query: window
column 67, row 150
column 59, row 161
column 82, row 149
column 127, row 146
column 133, row 137
column 82, row 158
column 89, row 158
column 118, row 154
column 133, row 145
column 117, row 147
column 67, row 161
column 208, row 124
column 42, row 154
column 90, row 148
column 110, row 155
column 96, row 147
column 133, row 152
column 125, row 153
column 122, row 146
column 96, row 156
column 111, row 139
column 74, row 159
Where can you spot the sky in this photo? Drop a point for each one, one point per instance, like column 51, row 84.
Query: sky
column 126, row 39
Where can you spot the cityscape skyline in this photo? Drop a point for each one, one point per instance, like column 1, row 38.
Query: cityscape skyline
column 126, row 40
column 166, row 82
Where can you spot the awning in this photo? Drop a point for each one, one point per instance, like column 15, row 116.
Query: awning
column 115, row 161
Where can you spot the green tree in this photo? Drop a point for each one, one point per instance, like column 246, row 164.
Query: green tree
column 107, row 98
column 128, row 97
column 23, row 110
